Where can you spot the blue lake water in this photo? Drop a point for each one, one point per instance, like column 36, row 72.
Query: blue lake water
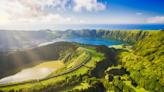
column 92, row 40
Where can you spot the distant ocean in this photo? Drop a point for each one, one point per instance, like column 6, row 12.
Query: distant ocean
column 63, row 27
column 110, row 26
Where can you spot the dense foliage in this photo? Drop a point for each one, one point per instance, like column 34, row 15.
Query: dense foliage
column 146, row 64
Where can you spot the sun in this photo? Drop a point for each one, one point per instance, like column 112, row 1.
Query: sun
column 3, row 19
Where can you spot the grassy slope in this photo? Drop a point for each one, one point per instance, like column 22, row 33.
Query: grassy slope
column 120, row 48
column 95, row 57
column 128, row 83
column 80, row 85
column 78, row 60
column 70, row 62
column 50, row 64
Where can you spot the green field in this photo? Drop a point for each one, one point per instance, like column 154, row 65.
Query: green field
column 50, row 64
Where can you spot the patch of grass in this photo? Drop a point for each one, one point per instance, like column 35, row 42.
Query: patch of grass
column 80, row 85
column 79, row 59
column 116, row 46
column 113, row 67
column 80, row 45
column 128, row 83
column 127, row 48
column 50, row 64
column 110, row 91
column 95, row 56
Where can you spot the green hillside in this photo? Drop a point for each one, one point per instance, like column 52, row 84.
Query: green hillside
column 145, row 63
column 125, row 35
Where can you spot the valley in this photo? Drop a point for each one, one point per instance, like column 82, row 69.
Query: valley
column 119, row 67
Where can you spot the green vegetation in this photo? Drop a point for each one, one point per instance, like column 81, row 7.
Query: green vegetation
column 126, row 35
column 50, row 64
column 144, row 65
column 128, row 83
column 149, row 57
column 119, row 48
column 122, row 68
column 80, row 85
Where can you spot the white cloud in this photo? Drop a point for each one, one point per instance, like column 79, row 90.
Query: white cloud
column 36, row 10
column 30, row 11
column 139, row 13
column 157, row 19
column 53, row 3
column 53, row 17
column 82, row 21
column 89, row 5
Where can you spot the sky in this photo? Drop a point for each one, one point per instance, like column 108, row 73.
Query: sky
column 19, row 12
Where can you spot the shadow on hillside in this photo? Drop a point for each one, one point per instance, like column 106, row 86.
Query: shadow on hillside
column 119, row 72
column 116, row 51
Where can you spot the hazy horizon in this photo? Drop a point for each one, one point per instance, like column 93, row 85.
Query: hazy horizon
column 63, row 27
